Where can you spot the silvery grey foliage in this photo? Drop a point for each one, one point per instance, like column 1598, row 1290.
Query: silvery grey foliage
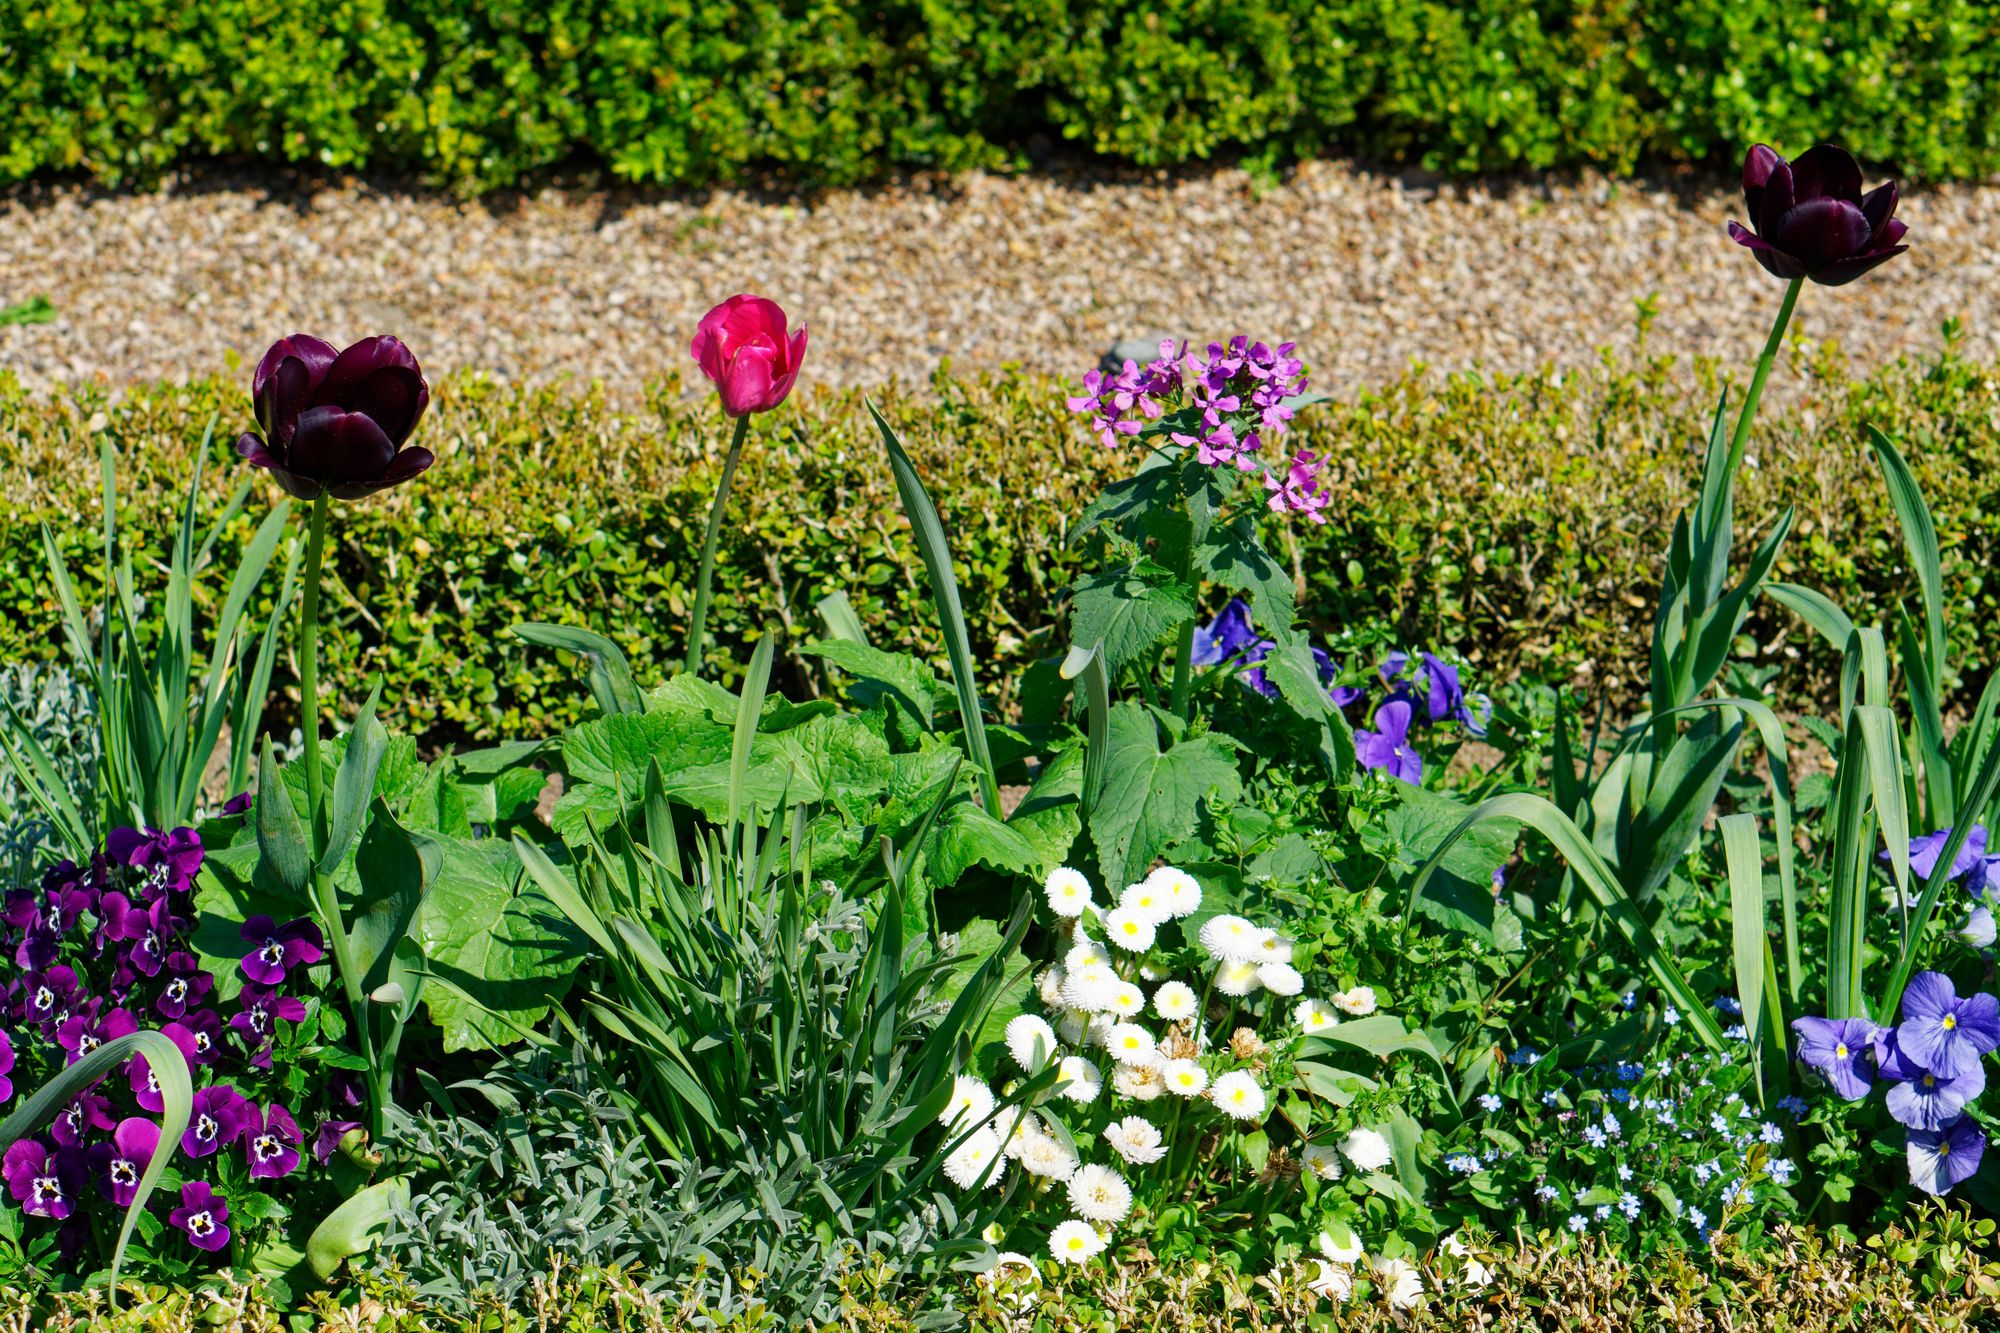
column 59, row 713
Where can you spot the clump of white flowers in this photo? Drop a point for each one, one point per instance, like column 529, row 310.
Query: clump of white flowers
column 1153, row 1033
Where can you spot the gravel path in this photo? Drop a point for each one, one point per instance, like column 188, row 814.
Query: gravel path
column 1367, row 272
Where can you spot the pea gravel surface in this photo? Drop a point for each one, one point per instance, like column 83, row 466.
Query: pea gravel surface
column 1368, row 272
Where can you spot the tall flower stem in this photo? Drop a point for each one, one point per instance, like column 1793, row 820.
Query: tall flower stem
column 325, row 897
column 1741, row 437
column 698, row 623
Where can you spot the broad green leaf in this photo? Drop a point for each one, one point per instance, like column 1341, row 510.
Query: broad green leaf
column 1380, row 1035
column 281, row 838
column 1921, row 539
column 877, row 671
column 1290, row 668
column 612, row 688
column 1683, row 789
column 353, row 1228
column 1459, row 893
column 1151, row 796
column 354, row 782
column 1127, row 611
column 1749, row 944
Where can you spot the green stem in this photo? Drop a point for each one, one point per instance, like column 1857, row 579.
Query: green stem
column 698, row 623
column 1184, row 650
column 325, row 896
column 1741, row 437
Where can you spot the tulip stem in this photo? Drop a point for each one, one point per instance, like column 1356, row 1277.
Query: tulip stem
column 698, row 623
column 325, row 897
column 1741, row 437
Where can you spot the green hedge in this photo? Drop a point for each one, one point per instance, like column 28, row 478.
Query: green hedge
column 478, row 93
column 1518, row 519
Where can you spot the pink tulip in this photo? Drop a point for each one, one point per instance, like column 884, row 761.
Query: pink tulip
column 743, row 346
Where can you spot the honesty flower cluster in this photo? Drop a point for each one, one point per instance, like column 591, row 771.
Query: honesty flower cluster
column 1223, row 408
column 1933, row 1062
column 103, row 950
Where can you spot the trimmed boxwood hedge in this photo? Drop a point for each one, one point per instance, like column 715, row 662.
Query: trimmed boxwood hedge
column 1519, row 519
column 480, row 93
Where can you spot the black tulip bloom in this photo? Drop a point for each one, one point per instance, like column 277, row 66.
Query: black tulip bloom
column 1811, row 219
column 335, row 422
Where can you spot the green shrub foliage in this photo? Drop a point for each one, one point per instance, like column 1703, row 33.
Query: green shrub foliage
column 479, row 93
column 1515, row 518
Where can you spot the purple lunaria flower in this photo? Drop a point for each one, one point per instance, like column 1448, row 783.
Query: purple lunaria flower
column 203, row 1215
column 1388, row 746
column 1941, row 1158
column 1809, row 219
column 1841, row 1049
column 119, row 1163
column 274, row 948
column 1942, row 1032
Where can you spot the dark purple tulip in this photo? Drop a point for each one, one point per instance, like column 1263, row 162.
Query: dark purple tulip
column 1388, row 746
column 119, row 1163
column 44, row 1183
column 1842, row 1050
column 220, row 1114
column 272, row 1142
column 1942, row 1032
column 1809, row 219
column 1941, row 1158
column 335, row 423
column 203, row 1215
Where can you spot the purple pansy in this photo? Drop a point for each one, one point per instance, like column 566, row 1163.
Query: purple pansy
column 203, row 1216
column 119, row 1163
column 1941, row 1158
column 261, row 1009
column 272, row 1143
column 1842, row 1050
column 6, row 1067
column 219, row 1116
column 86, row 1030
column 86, row 1114
column 43, row 1182
column 1231, row 640
column 48, row 997
column 1922, row 1099
column 239, row 804
column 186, row 986
column 326, row 1141
column 139, row 1074
column 1943, row 1032
column 1388, row 746
column 274, row 948
column 1446, row 698
column 1925, row 851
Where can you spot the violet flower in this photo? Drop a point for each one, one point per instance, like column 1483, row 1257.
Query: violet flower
column 1923, row 1099
column 1841, row 1049
column 220, row 1114
column 274, row 948
column 1941, row 1158
column 1446, row 698
column 84, row 1031
column 1942, row 1032
column 48, row 998
column 187, row 986
column 119, row 1164
column 256, row 1020
column 1809, row 219
column 85, row 1115
column 272, row 1142
column 169, row 860
column 1925, row 851
column 1230, row 639
column 334, row 422
column 1388, row 746
column 145, row 1084
column 203, row 1216
column 6, row 1067
column 327, row 1140
column 44, row 1183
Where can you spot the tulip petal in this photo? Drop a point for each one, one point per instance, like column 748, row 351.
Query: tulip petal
column 334, row 446
column 394, row 396
column 1775, row 261
column 1826, row 172
column 1757, row 165
column 287, row 392
column 357, row 364
column 1842, row 272
column 250, row 448
column 1879, row 206
column 407, row 464
column 746, row 384
column 1820, row 232
column 314, row 354
column 1777, row 200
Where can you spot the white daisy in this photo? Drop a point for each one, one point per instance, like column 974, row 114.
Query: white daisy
column 1237, row 979
column 1358, row 1001
column 1231, row 938
column 1131, row 1044
column 1128, row 930
column 1237, row 1095
column 1031, row 1041
column 1340, row 1244
column 1073, row 1026
column 971, row 1159
column 1079, row 1080
column 1368, row 1150
column 1330, row 1281
column 1136, row 1140
column 1140, row 1082
column 1147, row 902
column 971, row 1102
column 1126, row 1000
column 1182, row 893
column 1089, row 988
column 1048, row 1157
column 1100, row 1194
column 1185, row 1078
column 1068, row 892
column 1085, row 954
column 1275, row 948
column 1280, row 978
column 1075, row 1242
column 1050, row 984
column 1175, row 1001
column 1314, row 1016
column 1400, row 1283
column 1322, row 1161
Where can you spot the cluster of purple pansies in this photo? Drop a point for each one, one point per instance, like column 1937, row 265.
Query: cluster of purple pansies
column 1976, row 871
column 1421, row 690
column 1932, row 1062
column 1224, row 408
column 101, row 950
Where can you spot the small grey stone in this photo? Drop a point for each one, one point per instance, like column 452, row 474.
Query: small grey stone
column 1141, row 350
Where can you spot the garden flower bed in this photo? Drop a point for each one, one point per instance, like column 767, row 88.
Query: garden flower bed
column 1208, row 963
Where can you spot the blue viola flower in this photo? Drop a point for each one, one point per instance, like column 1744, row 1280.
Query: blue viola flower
column 1941, row 1158
column 1921, row 1098
column 1388, row 746
column 1943, row 1032
column 1231, row 640
column 1446, row 697
column 1840, row 1049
